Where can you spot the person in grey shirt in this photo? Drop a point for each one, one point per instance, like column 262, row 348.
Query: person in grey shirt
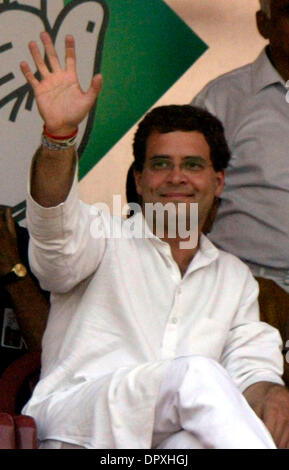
column 253, row 217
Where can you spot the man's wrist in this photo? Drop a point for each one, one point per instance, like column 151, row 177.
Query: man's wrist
column 273, row 388
column 257, row 393
column 58, row 141
column 262, row 387
column 61, row 136
column 54, row 145
column 60, row 133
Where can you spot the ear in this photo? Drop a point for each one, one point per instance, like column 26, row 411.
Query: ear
column 263, row 24
column 209, row 222
column 138, row 180
column 220, row 182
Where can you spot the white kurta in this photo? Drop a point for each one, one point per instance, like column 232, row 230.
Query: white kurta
column 120, row 311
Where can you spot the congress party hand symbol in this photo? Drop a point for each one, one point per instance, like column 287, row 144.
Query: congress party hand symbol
column 20, row 124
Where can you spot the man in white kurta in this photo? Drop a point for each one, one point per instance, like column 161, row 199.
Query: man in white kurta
column 121, row 310
column 145, row 340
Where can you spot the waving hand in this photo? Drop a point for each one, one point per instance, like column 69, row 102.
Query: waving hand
column 61, row 102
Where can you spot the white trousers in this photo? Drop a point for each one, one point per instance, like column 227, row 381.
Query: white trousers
column 199, row 407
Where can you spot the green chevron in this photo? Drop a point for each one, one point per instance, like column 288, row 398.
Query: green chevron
column 147, row 48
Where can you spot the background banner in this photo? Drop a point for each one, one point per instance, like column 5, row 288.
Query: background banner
column 152, row 52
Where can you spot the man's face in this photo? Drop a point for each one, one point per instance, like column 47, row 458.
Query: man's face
column 178, row 169
column 277, row 29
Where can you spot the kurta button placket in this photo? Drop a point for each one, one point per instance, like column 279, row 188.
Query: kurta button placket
column 171, row 332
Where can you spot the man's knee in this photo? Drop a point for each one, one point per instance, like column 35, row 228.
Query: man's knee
column 198, row 374
column 188, row 375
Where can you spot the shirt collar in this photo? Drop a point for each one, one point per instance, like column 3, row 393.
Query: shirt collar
column 264, row 73
column 206, row 254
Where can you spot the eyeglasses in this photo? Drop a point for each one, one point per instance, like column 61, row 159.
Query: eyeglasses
column 190, row 164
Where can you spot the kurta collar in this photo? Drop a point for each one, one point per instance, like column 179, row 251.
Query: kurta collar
column 206, row 254
column 264, row 73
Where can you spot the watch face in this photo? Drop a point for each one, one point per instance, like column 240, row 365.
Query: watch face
column 20, row 270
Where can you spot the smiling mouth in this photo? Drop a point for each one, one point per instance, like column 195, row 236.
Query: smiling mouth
column 176, row 196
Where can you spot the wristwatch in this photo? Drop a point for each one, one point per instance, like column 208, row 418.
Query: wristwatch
column 17, row 272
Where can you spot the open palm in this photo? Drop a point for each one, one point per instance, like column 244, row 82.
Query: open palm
column 60, row 100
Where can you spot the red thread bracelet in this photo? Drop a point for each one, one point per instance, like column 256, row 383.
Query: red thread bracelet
column 57, row 137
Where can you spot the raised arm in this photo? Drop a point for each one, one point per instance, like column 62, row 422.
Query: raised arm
column 62, row 105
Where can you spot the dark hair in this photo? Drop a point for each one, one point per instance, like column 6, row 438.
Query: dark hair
column 130, row 187
column 171, row 118
column 132, row 195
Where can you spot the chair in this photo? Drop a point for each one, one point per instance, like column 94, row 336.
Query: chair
column 273, row 301
column 16, row 385
column 7, row 432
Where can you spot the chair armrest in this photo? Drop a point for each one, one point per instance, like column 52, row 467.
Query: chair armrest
column 7, row 432
column 25, row 432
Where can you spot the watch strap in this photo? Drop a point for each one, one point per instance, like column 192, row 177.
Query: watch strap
column 9, row 278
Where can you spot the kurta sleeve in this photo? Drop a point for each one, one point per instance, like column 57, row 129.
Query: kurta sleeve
column 64, row 250
column 253, row 348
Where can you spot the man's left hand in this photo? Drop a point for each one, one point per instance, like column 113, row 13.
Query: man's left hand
column 271, row 403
